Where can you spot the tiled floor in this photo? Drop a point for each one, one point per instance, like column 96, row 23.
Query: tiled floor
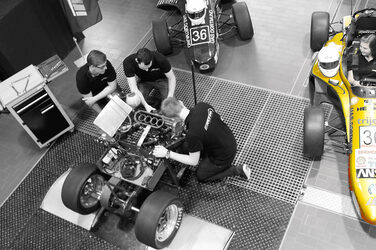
column 277, row 58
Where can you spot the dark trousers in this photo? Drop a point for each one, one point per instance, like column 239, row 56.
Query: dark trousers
column 146, row 87
column 209, row 171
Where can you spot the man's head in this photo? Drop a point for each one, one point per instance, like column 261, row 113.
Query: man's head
column 144, row 59
column 97, row 62
column 172, row 107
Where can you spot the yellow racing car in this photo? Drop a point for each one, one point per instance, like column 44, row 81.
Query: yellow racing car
column 337, row 53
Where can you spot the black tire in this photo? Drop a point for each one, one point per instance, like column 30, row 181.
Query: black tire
column 314, row 130
column 161, row 212
column 242, row 20
column 76, row 194
column 319, row 30
column 161, row 37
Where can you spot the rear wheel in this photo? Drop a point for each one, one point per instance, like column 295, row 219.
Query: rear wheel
column 161, row 37
column 319, row 30
column 159, row 219
column 82, row 188
column 314, row 129
column 242, row 20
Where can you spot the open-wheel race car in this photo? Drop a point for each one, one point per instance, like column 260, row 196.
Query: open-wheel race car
column 127, row 177
column 338, row 53
column 203, row 23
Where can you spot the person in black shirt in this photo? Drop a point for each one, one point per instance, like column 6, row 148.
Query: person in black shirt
column 96, row 80
column 207, row 136
column 153, row 71
column 367, row 60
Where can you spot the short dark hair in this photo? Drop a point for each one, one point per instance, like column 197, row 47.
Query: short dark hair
column 171, row 107
column 96, row 57
column 144, row 56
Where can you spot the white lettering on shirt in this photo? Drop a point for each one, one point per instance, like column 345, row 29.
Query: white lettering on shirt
column 208, row 119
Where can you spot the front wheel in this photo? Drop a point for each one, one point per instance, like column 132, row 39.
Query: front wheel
column 159, row 219
column 161, row 37
column 82, row 188
column 314, row 130
column 242, row 20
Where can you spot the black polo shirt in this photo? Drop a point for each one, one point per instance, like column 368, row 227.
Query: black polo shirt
column 209, row 134
column 159, row 67
column 86, row 83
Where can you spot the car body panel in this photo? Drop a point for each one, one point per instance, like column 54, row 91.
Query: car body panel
column 359, row 110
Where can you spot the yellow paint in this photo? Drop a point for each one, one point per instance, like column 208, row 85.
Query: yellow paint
column 360, row 117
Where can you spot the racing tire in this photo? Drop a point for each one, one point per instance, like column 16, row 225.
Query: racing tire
column 81, row 187
column 159, row 219
column 242, row 20
column 319, row 30
column 161, row 37
column 314, row 130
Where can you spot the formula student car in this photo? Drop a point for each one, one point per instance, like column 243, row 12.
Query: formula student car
column 202, row 23
column 127, row 177
column 337, row 51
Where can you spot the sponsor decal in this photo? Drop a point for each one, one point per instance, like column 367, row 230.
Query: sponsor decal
column 365, row 164
column 209, row 118
column 366, row 173
column 361, row 160
column 369, row 102
column 367, row 121
column 186, row 31
column 372, row 189
column 361, row 109
column 371, row 201
column 211, row 26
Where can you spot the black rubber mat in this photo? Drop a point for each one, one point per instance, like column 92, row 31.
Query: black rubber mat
column 24, row 226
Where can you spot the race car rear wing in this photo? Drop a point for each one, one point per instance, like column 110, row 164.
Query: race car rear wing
column 172, row 5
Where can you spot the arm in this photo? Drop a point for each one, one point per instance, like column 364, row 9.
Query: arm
column 190, row 159
column 351, row 79
column 171, row 83
column 133, row 87
column 91, row 100
column 94, row 106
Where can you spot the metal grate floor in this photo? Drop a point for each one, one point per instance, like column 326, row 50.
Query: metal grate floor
column 268, row 127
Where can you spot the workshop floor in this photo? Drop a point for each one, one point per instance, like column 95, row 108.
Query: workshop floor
column 276, row 60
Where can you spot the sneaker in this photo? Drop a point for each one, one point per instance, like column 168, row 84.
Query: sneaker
column 246, row 171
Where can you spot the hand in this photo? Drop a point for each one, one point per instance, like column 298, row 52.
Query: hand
column 160, row 151
column 89, row 101
column 149, row 108
column 356, row 83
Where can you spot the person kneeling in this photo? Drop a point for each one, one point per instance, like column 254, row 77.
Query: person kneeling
column 207, row 134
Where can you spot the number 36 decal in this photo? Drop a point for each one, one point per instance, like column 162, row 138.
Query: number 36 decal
column 200, row 35
column 367, row 136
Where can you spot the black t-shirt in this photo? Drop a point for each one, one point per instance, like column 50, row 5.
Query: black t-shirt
column 366, row 68
column 86, row 83
column 159, row 67
column 208, row 133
